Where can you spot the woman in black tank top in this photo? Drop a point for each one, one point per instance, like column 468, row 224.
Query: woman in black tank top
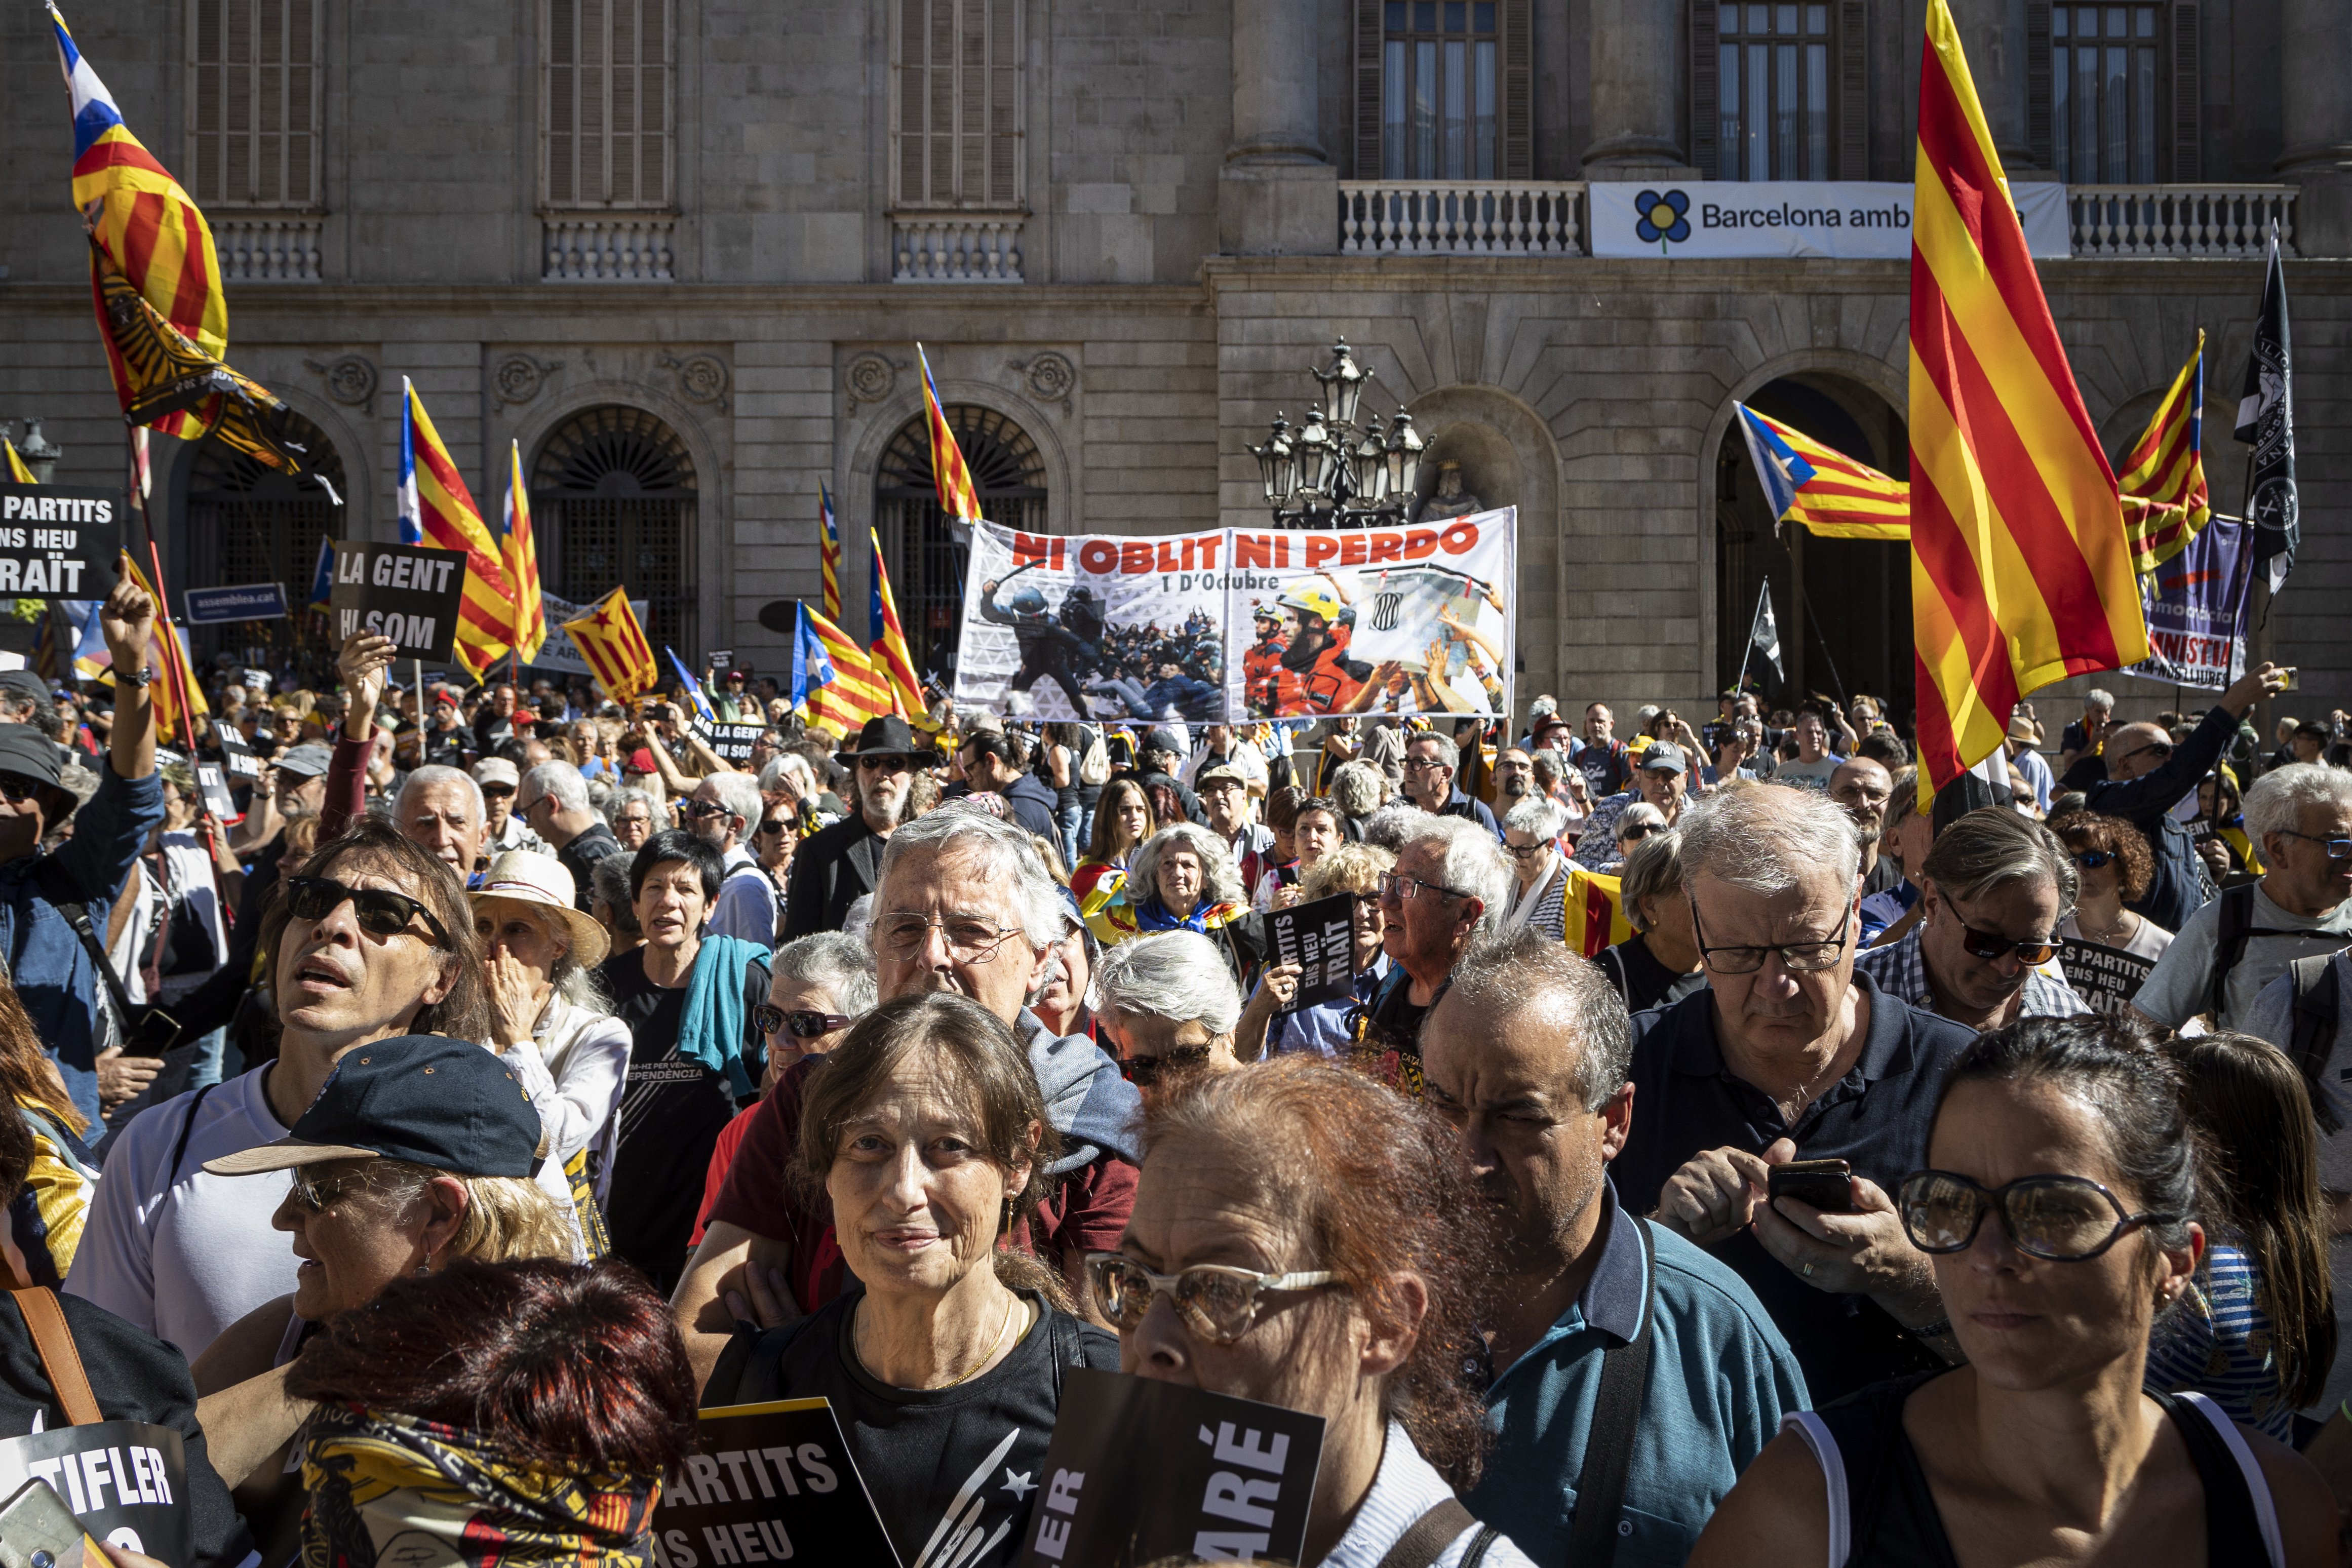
column 2058, row 1216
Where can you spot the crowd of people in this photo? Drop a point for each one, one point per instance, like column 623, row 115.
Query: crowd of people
column 1715, row 1155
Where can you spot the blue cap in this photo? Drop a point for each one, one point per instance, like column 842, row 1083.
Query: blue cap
column 443, row 1103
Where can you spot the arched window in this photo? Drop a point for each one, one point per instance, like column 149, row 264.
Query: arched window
column 250, row 523
column 926, row 562
column 613, row 502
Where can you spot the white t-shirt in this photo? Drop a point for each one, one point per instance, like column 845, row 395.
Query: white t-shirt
column 2176, row 992
column 183, row 1253
column 1814, row 776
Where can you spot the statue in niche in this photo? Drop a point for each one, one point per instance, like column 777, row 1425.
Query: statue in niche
column 1451, row 500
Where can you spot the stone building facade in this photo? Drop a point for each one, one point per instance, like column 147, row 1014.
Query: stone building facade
column 679, row 254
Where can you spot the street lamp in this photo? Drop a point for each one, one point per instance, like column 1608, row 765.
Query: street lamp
column 1277, row 464
column 40, row 453
column 1334, row 472
column 1403, row 452
column 1343, row 383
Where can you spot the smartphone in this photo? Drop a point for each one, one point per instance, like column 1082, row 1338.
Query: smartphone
column 1827, row 1185
column 37, row 1531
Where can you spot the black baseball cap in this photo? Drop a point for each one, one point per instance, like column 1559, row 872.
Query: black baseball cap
column 432, row 1101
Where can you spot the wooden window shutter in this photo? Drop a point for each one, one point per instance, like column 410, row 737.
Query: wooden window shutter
column 1854, row 90
column 1368, row 89
column 654, row 49
column 302, row 103
column 1704, row 105
column 563, row 102
column 207, row 81
column 238, row 118
column 1005, row 142
column 625, row 76
column 939, row 114
column 594, row 129
column 2188, row 94
column 2039, row 138
column 913, row 90
column 1519, row 89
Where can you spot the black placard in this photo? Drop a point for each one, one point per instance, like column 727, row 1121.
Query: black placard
column 58, row 542
column 406, row 592
column 1319, row 938
column 2105, row 978
column 720, row 657
column 732, row 742
column 237, row 758
column 1140, row 1469
column 768, row 1483
column 213, row 784
column 126, row 1482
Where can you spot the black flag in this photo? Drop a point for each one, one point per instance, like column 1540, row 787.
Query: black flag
column 1765, row 635
column 2266, row 423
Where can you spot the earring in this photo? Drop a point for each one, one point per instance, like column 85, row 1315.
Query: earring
column 426, row 1267
column 1007, row 1228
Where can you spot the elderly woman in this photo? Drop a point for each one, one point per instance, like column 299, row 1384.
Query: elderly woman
column 1658, row 964
column 636, row 815
column 608, row 901
column 944, row 1358
column 2113, row 868
column 1357, row 789
column 1184, row 878
column 2058, row 1210
column 1066, row 978
column 553, row 1027
column 1297, row 1240
column 1637, row 822
column 1531, row 831
column 1269, row 1024
column 1167, row 1002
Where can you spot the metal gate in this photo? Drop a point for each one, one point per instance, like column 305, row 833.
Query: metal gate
column 926, row 562
column 612, row 503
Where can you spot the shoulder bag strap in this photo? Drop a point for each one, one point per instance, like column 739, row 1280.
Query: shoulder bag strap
column 56, row 887
column 60, row 1359
column 1616, row 1412
column 180, row 1145
column 2312, row 1032
column 1818, row 1437
column 2249, row 1470
column 1426, row 1539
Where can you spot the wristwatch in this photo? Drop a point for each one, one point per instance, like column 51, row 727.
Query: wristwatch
column 139, row 677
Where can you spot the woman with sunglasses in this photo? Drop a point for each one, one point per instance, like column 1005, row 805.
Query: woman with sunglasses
column 1658, row 965
column 1167, row 1004
column 1296, row 1239
column 2059, row 1212
column 927, row 1136
column 2108, row 948
column 1639, row 821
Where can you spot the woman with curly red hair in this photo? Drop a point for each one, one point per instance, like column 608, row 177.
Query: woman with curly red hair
column 2108, row 948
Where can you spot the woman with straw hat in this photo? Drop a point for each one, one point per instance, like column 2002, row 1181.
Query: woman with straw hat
column 552, row 1026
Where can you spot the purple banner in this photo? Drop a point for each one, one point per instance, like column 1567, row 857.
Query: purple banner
column 2196, row 608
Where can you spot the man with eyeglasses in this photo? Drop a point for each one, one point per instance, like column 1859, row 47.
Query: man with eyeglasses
column 1658, row 781
column 723, row 811
column 836, row 866
column 1431, row 763
column 1451, row 886
column 553, row 799
column 1789, row 1053
column 2147, row 776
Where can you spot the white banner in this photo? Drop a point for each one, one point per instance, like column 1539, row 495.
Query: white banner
column 1844, row 219
column 559, row 651
column 1238, row 623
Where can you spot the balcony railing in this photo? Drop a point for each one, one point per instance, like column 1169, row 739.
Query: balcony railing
column 269, row 250
column 956, row 248
column 1459, row 218
column 608, row 249
column 2179, row 220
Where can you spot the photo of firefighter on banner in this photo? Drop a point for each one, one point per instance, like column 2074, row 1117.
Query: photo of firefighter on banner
column 1233, row 624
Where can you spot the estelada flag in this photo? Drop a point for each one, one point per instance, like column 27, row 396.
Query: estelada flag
column 949, row 474
column 614, row 646
column 519, row 555
column 889, row 650
column 174, row 690
column 436, row 508
column 829, row 550
column 857, row 691
column 1814, row 484
column 2020, row 573
column 2163, row 482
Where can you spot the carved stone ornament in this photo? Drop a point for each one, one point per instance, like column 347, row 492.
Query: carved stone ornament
column 517, row 377
column 350, row 378
column 702, row 378
column 868, row 378
column 1052, row 377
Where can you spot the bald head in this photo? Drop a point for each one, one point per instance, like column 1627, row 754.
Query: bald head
column 2137, row 750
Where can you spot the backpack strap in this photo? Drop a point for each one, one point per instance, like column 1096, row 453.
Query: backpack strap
column 1426, row 1539
column 2236, row 929
column 60, row 1359
column 2209, row 1416
column 1818, row 1437
column 2312, row 1040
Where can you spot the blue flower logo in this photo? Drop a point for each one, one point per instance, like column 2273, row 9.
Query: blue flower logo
column 1660, row 218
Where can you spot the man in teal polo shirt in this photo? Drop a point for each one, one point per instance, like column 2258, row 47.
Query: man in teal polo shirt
column 1526, row 1055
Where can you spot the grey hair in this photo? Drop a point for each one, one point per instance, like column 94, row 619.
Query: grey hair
column 1393, row 824
column 1470, row 861
column 618, row 801
column 842, row 965
column 739, row 794
column 1653, row 868
column 1358, row 788
column 610, row 878
column 791, row 765
column 1525, row 973
column 1221, row 879
column 1764, row 840
column 2276, row 802
column 1549, row 767
column 2095, row 698
column 1641, row 813
column 1446, row 749
column 558, row 782
column 1538, row 816
column 435, row 774
column 1992, row 846
column 1177, row 974
column 1542, row 707
column 1009, row 860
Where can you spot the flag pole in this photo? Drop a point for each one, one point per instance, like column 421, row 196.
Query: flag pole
column 173, row 668
column 1749, row 651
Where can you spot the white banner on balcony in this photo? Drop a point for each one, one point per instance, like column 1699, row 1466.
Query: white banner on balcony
column 1844, row 219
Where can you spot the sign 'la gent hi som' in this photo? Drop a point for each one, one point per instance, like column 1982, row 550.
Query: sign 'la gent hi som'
column 408, row 593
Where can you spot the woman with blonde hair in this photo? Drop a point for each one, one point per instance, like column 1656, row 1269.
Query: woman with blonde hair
column 46, row 1222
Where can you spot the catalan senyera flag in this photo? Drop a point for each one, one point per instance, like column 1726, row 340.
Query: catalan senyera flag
column 518, row 556
column 436, row 508
column 857, row 691
column 141, row 220
column 950, row 473
column 2163, row 481
column 2020, row 573
column 829, row 539
column 174, row 690
column 889, row 650
column 614, row 646
column 1820, row 486
column 1596, row 911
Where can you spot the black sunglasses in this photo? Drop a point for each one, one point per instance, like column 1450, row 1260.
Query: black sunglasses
column 2092, row 860
column 379, row 911
column 1145, row 1071
column 705, row 808
column 1991, row 944
column 16, row 789
column 801, row 1023
column 773, row 825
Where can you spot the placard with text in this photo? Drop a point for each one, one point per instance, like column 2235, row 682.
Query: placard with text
column 126, row 1482
column 732, row 742
column 410, row 593
column 1320, row 938
column 58, row 542
column 768, row 1483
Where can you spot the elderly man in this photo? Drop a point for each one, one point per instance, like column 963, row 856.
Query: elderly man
column 837, row 866
column 1225, row 796
column 1659, row 781
column 1992, row 893
column 1788, row 1054
column 2147, row 777
column 723, row 812
column 2083, row 736
column 2024, row 739
column 1525, row 1058
column 965, row 906
column 1221, row 744
column 554, row 800
column 2301, row 816
column 1451, row 886
column 442, row 809
column 1431, row 764
column 503, row 827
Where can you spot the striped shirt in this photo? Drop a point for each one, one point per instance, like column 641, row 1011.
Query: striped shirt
column 1902, row 971
column 2217, row 1343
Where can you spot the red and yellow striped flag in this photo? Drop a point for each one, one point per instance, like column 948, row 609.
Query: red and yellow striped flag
column 519, row 555
column 174, row 690
column 1596, row 911
column 949, row 474
column 829, row 550
column 436, row 508
column 2020, row 573
column 889, row 651
column 857, row 691
column 16, row 468
column 2163, row 481
column 614, row 646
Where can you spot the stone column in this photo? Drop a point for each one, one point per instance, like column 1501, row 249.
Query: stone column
column 1638, row 89
column 1278, row 190
column 2315, row 121
column 1993, row 34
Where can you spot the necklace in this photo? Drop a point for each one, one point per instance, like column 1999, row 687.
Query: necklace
column 1012, row 1308
column 2105, row 934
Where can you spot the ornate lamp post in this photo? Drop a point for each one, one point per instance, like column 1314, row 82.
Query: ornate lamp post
column 40, row 453
column 1334, row 471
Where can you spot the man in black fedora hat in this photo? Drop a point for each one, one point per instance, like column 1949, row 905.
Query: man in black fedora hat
column 837, row 866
